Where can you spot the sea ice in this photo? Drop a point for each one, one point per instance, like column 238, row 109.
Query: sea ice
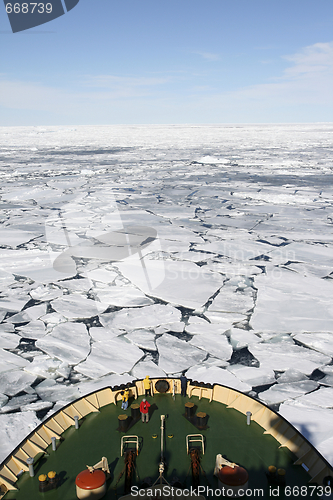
column 143, row 317
column 15, row 381
column 33, row 330
column 19, row 402
column 122, row 296
column 38, row 406
column 101, row 334
column 43, row 366
column 232, row 299
column 203, row 328
column 180, row 283
column 323, row 398
column 50, row 390
column 142, row 338
column 322, row 342
column 29, row 314
column 288, row 302
column 35, row 264
column 315, row 424
column 53, row 319
column 14, row 427
column 291, row 375
column 77, row 307
column 216, row 345
column 177, row 355
column 147, row 367
column 281, row 392
column 102, row 359
column 9, row 340
column 75, row 285
column 3, row 400
column 215, row 375
column 69, row 342
column 107, row 381
column 46, row 292
column 283, row 355
column 102, row 275
column 11, row 361
column 253, row 376
column 242, row 338
column 177, row 327
column 13, row 237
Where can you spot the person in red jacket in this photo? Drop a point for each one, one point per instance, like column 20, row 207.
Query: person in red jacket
column 144, row 409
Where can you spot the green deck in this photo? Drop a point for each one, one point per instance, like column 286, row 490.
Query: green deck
column 227, row 434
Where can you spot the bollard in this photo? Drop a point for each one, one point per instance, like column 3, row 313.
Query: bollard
column 76, row 418
column 248, row 417
column 54, row 444
column 30, row 462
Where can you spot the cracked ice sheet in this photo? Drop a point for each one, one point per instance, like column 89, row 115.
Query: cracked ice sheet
column 107, row 381
column 216, row 375
column 288, row 302
column 253, row 376
column 177, row 355
column 75, row 306
column 102, row 359
column 15, row 381
column 141, row 369
column 46, row 292
column 69, row 342
column 19, row 402
column 315, row 425
column 31, row 313
column 13, row 237
column 322, row 398
column 322, row 342
column 33, row 330
column 43, row 366
column 14, row 428
column 231, row 299
column 179, row 283
column 283, row 355
column 35, row 264
column 281, row 392
column 143, row 317
column 122, row 296
column 50, row 390
column 216, row 345
column 9, row 340
column 11, row 361
column 242, row 338
column 142, row 338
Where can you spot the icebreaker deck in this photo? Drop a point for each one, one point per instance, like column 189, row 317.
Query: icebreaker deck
column 217, row 417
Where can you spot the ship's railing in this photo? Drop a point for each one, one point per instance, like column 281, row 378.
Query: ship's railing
column 40, row 439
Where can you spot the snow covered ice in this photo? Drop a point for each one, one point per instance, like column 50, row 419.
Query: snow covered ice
column 151, row 250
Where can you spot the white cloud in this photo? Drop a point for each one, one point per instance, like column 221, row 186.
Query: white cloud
column 208, row 55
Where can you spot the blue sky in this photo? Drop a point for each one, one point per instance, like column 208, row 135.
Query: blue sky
column 171, row 61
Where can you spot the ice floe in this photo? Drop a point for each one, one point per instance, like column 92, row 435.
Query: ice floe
column 77, row 307
column 280, row 392
column 143, row 317
column 180, row 283
column 69, row 342
column 283, row 355
column 288, row 302
column 111, row 356
column 216, row 375
column 14, row 427
column 176, row 355
column 15, row 381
